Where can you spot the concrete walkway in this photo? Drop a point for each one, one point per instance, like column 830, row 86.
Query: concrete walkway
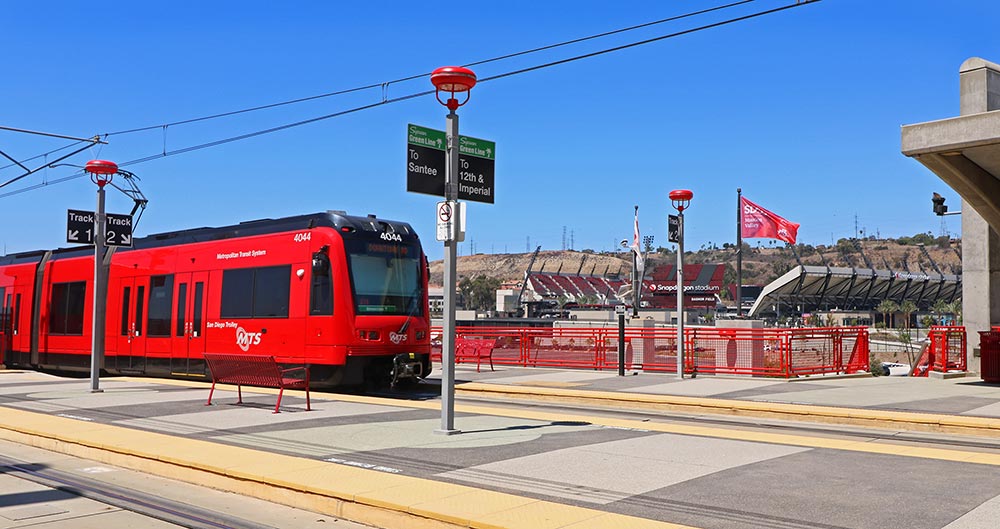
column 377, row 461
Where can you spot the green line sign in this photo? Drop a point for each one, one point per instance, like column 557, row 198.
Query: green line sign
column 426, row 159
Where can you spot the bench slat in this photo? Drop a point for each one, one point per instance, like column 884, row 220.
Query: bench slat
column 255, row 370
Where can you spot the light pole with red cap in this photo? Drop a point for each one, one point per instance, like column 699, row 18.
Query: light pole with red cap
column 101, row 173
column 680, row 199
column 453, row 80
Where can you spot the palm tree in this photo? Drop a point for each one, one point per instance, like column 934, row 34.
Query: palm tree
column 955, row 308
column 940, row 308
column 908, row 308
column 887, row 307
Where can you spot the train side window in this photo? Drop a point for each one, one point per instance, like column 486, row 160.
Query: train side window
column 140, row 298
column 321, row 290
column 181, row 305
column 256, row 292
column 237, row 293
column 4, row 310
column 161, row 293
column 272, row 286
column 126, row 292
column 199, row 287
column 67, row 307
column 17, row 313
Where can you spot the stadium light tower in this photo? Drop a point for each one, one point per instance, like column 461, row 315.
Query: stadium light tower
column 101, row 173
column 680, row 199
column 454, row 80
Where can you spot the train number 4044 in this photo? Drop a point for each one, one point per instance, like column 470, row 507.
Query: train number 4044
column 303, row 236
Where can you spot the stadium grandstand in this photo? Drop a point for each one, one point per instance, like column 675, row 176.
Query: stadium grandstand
column 809, row 288
column 702, row 284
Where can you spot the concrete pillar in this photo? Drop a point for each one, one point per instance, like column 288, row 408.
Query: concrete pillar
column 979, row 82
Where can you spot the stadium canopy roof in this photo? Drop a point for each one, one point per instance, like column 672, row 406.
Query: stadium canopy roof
column 818, row 288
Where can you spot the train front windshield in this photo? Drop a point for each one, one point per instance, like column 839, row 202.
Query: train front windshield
column 386, row 278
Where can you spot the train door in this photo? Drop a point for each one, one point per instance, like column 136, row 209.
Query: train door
column 189, row 324
column 15, row 346
column 5, row 331
column 131, row 329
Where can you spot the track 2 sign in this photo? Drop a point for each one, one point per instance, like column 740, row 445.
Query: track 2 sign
column 80, row 228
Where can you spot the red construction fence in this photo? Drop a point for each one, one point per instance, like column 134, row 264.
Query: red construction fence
column 759, row 352
column 944, row 352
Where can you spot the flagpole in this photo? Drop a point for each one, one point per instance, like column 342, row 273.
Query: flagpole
column 636, row 282
column 739, row 253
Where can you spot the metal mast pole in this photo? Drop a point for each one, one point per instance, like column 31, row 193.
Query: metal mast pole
column 739, row 252
column 97, row 349
column 680, row 293
column 450, row 272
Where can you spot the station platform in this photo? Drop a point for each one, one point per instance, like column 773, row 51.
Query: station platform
column 570, row 464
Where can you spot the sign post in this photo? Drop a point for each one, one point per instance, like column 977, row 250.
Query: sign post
column 680, row 199
column 620, row 311
column 453, row 79
column 101, row 173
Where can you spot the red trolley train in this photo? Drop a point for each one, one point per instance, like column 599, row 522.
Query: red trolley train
column 342, row 294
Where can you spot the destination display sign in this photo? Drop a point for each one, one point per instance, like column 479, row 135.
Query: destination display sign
column 426, row 159
column 80, row 228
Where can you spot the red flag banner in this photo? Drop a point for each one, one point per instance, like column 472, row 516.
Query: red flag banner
column 639, row 261
column 759, row 223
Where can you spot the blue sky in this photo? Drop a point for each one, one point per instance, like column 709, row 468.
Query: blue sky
column 801, row 109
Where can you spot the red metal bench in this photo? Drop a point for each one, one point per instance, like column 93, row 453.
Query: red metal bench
column 254, row 370
column 471, row 348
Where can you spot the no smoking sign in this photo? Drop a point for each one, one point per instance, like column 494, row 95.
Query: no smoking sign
column 444, row 212
column 450, row 221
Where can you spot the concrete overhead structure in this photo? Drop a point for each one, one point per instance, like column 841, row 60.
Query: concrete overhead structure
column 965, row 152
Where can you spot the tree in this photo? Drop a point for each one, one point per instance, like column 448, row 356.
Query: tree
column 940, row 308
column 908, row 308
column 887, row 307
column 955, row 307
column 480, row 292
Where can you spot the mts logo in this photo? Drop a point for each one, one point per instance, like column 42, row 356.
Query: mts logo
column 246, row 339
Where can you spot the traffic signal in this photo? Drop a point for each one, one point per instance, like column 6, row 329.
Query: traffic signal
column 939, row 207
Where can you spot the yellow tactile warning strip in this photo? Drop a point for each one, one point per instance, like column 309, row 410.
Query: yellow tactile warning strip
column 925, row 422
column 365, row 496
column 550, row 384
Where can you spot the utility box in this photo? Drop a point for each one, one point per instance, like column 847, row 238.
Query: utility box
column 989, row 361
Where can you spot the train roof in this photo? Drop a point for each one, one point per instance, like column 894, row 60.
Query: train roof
column 338, row 220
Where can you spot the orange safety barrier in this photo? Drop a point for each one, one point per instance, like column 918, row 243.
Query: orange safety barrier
column 945, row 351
column 758, row 352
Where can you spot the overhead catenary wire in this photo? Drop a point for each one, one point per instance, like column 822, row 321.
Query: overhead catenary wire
column 385, row 101
column 385, row 85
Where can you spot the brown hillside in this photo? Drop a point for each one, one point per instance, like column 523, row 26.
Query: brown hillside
column 761, row 265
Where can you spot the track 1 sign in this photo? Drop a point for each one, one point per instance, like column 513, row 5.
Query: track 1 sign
column 80, row 228
column 426, row 159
